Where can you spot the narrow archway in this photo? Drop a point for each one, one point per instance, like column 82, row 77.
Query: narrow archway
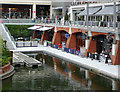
column 59, row 37
column 100, row 43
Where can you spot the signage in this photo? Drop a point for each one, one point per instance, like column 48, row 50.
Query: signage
column 66, row 35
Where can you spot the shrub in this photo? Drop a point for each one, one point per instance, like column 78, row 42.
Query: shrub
column 19, row 30
column 5, row 53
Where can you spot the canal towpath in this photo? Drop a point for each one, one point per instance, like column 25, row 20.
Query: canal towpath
column 112, row 71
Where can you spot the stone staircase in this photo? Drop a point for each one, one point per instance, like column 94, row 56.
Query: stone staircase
column 4, row 32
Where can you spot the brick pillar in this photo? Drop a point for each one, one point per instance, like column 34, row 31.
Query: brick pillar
column 71, row 41
column 44, row 36
column 56, row 38
column 92, row 45
column 34, row 34
column 116, row 58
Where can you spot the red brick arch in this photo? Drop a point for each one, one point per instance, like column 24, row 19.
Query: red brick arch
column 98, row 33
column 80, row 32
column 63, row 29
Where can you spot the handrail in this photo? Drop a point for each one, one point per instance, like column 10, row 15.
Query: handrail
column 91, row 24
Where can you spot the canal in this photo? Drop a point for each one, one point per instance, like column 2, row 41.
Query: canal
column 57, row 74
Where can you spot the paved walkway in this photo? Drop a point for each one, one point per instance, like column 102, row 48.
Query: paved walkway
column 112, row 71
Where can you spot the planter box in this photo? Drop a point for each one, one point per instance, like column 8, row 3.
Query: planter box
column 5, row 68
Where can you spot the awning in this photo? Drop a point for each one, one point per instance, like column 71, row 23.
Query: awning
column 44, row 28
column 92, row 10
column 34, row 27
column 108, row 10
column 78, row 11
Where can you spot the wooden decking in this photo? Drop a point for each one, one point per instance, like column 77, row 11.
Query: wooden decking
column 22, row 59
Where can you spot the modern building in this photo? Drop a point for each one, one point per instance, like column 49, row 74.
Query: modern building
column 25, row 8
column 33, row 8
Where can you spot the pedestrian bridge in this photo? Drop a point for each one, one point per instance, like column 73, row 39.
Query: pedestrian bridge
column 97, row 26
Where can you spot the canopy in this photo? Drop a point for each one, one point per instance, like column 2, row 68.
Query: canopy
column 44, row 28
column 77, row 11
column 108, row 10
column 34, row 27
column 92, row 10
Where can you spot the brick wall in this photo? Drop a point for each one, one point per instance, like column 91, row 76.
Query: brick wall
column 34, row 34
column 71, row 42
column 56, row 38
column 116, row 58
column 44, row 36
column 92, row 45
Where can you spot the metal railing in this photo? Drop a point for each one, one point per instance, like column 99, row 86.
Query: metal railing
column 102, row 24
column 17, row 20
column 91, row 24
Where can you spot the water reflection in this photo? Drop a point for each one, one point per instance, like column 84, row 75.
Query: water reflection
column 56, row 74
column 85, row 77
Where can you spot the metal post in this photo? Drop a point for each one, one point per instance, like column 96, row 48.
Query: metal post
column 114, row 22
column 87, row 17
column 114, row 16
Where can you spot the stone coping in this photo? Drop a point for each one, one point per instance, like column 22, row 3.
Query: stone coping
column 8, row 73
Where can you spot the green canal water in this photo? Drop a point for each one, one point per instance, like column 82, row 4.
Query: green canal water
column 56, row 74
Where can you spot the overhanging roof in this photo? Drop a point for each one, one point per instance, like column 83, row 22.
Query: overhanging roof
column 92, row 10
column 108, row 10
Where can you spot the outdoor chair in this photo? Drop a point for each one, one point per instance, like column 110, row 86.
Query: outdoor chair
column 51, row 45
column 56, row 46
column 66, row 49
column 72, row 51
column 69, row 50
column 77, row 52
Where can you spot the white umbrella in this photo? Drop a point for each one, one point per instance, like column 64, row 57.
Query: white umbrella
column 34, row 27
column 44, row 28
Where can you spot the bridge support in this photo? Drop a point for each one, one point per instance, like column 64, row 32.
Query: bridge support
column 34, row 34
column 71, row 41
column 92, row 45
column 56, row 38
column 44, row 36
column 115, row 56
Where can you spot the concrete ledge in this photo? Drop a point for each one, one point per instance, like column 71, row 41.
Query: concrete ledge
column 100, row 68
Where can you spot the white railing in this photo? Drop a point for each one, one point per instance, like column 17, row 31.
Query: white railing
column 18, row 20
column 91, row 24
